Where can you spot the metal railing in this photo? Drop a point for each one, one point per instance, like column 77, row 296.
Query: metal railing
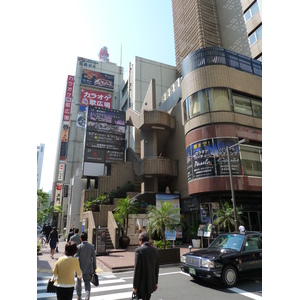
column 220, row 56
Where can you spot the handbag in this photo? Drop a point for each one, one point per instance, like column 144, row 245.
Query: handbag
column 50, row 286
column 94, row 279
column 134, row 296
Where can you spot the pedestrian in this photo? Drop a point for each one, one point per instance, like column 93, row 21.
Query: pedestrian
column 146, row 268
column 88, row 264
column 64, row 272
column 76, row 237
column 48, row 229
column 71, row 233
column 53, row 240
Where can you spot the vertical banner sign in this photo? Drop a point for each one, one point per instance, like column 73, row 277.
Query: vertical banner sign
column 58, row 193
column 68, row 98
column 61, row 170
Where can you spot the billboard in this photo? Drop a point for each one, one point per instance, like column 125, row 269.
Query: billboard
column 97, row 79
column 208, row 157
column 105, row 136
column 95, row 98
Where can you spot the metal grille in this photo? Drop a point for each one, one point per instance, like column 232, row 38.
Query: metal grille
column 193, row 261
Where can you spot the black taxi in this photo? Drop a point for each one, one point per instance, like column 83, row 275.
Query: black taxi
column 229, row 257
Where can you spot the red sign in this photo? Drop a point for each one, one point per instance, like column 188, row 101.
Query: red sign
column 95, row 98
column 68, row 98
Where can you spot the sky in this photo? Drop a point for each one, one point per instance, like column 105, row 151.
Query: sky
column 57, row 32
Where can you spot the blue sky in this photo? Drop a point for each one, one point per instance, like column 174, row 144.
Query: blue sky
column 57, row 32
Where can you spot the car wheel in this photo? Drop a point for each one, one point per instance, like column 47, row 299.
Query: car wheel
column 229, row 276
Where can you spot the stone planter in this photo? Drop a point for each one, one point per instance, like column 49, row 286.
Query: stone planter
column 196, row 243
column 169, row 256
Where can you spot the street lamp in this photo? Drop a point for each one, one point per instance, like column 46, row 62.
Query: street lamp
column 231, row 182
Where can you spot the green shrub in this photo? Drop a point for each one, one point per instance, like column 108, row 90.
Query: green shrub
column 38, row 246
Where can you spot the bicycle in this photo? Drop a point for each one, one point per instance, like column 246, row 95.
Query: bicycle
column 42, row 240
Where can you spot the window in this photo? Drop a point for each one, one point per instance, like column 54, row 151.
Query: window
column 251, row 11
column 242, row 105
column 219, row 100
column 255, row 36
column 257, row 108
column 251, row 160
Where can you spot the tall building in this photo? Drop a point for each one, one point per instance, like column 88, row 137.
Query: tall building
column 40, row 158
column 232, row 24
column 97, row 84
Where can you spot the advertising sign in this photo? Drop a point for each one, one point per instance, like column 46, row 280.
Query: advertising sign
column 95, row 98
column 61, row 169
column 97, row 79
column 203, row 158
column 209, row 158
column 105, row 136
column 68, row 98
column 221, row 156
column 58, row 193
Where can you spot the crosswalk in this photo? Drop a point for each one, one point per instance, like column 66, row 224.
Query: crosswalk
column 110, row 288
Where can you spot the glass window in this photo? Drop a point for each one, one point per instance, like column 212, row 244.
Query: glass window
column 242, row 105
column 251, row 160
column 255, row 36
column 219, row 100
column 251, row 12
column 257, row 108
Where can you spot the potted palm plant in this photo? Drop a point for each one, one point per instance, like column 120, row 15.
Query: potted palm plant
column 160, row 220
column 124, row 208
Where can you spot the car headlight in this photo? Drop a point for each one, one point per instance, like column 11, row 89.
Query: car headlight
column 183, row 259
column 206, row 263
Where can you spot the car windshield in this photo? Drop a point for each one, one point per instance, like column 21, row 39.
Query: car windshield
column 229, row 241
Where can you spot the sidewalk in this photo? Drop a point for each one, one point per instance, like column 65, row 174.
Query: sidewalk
column 117, row 260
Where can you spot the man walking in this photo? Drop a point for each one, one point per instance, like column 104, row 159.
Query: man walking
column 88, row 265
column 76, row 237
column 146, row 267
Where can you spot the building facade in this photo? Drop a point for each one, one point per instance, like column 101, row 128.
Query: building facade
column 179, row 120
column 40, row 158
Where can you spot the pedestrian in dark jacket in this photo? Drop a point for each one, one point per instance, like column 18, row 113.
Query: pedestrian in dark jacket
column 53, row 240
column 146, row 268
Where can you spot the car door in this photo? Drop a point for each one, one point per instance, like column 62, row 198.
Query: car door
column 250, row 260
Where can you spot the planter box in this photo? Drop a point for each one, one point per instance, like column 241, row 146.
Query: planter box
column 169, row 256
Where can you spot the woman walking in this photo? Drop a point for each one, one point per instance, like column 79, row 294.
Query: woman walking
column 64, row 272
column 53, row 240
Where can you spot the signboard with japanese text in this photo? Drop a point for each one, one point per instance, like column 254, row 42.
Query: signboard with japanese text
column 68, row 98
column 95, row 98
column 61, row 170
column 105, row 135
column 58, row 193
column 203, row 158
column 209, row 158
column 97, row 79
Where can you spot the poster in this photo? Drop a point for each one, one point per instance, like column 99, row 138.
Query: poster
column 203, row 159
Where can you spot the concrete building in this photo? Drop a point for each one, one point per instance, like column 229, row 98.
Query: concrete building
column 232, row 24
column 40, row 158
column 96, row 83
